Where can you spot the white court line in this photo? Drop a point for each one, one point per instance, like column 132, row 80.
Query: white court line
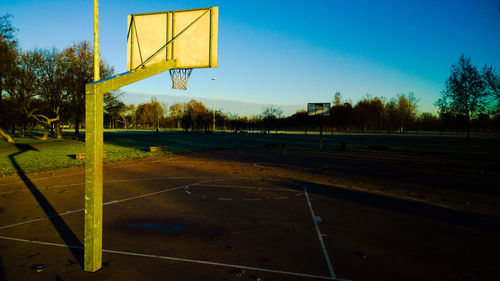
column 125, row 180
column 105, row 204
column 376, row 192
column 249, row 187
column 271, row 165
column 180, row 259
column 108, row 181
column 245, row 187
column 314, row 217
column 82, row 172
column 42, row 178
column 44, row 218
column 325, row 253
column 71, row 174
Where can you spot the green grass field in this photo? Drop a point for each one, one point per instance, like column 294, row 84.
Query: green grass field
column 32, row 155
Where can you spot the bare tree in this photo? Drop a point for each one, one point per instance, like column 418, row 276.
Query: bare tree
column 270, row 115
column 492, row 80
column 464, row 93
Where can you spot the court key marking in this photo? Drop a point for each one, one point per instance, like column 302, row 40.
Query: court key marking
column 189, row 192
column 315, row 219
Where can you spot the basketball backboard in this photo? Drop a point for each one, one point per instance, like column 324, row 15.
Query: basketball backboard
column 188, row 37
column 321, row 109
column 156, row 42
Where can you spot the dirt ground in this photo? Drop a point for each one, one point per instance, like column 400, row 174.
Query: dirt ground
column 261, row 215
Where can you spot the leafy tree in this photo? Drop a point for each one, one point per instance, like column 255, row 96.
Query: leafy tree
column 132, row 115
column 196, row 116
column 428, row 121
column 337, row 99
column 222, row 120
column 368, row 113
column 464, row 92
column 113, row 107
column 124, row 112
column 376, row 112
column 51, row 90
column 335, row 118
column 23, row 86
column 77, row 62
column 176, row 112
column 157, row 113
column 299, row 120
column 341, row 116
column 8, row 54
column 143, row 113
column 392, row 114
column 150, row 114
column 407, row 110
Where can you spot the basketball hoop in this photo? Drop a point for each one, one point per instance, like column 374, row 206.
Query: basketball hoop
column 180, row 78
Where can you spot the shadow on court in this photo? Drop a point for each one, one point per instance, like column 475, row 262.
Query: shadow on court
column 70, row 239
column 2, row 272
column 408, row 207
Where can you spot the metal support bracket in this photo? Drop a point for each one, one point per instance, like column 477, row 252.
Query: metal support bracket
column 94, row 114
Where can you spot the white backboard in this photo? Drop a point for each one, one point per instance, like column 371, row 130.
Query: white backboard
column 322, row 109
column 187, row 36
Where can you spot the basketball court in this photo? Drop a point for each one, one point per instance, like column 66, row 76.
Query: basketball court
column 168, row 212
column 239, row 215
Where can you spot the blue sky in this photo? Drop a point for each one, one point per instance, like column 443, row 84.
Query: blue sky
column 291, row 52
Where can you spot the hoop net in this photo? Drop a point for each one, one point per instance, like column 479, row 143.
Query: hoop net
column 180, row 78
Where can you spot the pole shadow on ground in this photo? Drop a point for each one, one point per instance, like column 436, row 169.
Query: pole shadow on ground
column 74, row 244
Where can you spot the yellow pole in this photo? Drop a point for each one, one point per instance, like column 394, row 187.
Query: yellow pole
column 96, row 41
column 93, row 163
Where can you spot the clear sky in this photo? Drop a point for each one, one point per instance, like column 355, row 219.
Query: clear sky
column 292, row 52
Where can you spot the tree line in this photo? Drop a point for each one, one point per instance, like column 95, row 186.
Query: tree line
column 469, row 101
column 43, row 86
column 46, row 87
column 370, row 114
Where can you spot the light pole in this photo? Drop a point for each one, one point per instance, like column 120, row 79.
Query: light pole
column 213, row 83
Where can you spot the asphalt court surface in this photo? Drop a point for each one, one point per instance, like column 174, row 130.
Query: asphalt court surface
column 252, row 222
column 237, row 215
